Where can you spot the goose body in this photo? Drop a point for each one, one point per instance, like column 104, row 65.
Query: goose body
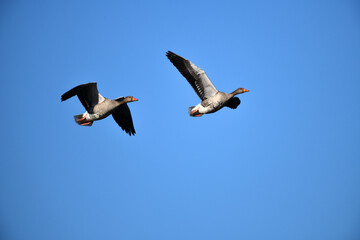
column 212, row 99
column 98, row 107
column 211, row 104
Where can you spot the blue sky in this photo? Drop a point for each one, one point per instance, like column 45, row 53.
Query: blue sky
column 284, row 165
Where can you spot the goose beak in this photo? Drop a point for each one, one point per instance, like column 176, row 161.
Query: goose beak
column 134, row 99
column 245, row 90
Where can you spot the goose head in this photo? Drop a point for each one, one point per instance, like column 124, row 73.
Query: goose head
column 130, row 99
column 239, row 90
column 127, row 99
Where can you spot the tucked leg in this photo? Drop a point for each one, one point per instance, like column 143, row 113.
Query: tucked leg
column 86, row 123
column 194, row 111
column 83, row 118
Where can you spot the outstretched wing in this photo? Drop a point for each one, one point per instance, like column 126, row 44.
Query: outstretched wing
column 88, row 95
column 122, row 117
column 194, row 75
column 233, row 103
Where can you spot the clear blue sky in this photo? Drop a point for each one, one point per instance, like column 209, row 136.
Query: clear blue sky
column 284, row 165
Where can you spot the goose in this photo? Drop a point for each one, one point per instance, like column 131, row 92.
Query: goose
column 212, row 100
column 98, row 107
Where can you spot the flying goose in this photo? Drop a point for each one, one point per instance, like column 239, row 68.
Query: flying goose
column 98, row 107
column 212, row 100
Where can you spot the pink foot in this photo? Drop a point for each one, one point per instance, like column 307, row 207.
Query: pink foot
column 194, row 111
column 81, row 119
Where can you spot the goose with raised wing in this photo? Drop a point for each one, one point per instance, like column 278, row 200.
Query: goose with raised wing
column 98, row 107
column 212, row 100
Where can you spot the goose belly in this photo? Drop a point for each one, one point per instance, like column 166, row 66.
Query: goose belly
column 102, row 110
column 211, row 108
column 211, row 105
column 97, row 116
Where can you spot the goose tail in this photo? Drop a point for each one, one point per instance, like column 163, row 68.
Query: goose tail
column 194, row 111
column 190, row 109
column 81, row 120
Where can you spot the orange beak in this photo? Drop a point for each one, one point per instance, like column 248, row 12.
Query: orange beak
column 134, row 99
column 245, row 90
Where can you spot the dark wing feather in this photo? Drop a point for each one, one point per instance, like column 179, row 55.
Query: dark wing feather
column 233, row 103
column 88, row 95
column 194, row 75
column 122, row 117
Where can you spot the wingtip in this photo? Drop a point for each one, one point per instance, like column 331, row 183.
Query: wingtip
column 170, row 53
